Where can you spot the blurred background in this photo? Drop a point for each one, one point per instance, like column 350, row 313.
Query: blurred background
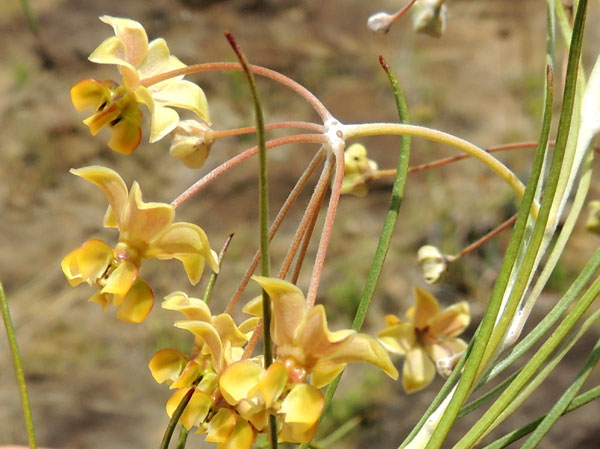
column 87, row 372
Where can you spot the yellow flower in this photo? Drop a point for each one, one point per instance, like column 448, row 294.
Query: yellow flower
column 146, row 230
column 429, row 336
column 136, row 59
column 304, row 344
column 357, row 169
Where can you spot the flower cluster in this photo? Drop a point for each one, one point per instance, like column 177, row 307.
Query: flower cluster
column 117, row 105
column 233, row 397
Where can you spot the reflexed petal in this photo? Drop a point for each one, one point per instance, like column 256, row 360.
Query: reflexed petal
column 102, row 299
column 137, row 303
column 91, row 94
column 102, row 118
column 289, row 308
column 114, row 51
column 111, row 184
column 426, row 308
column 142, row 222
column 297, row 433
column 451, row 321
column 110, row 219
column 254, row 307
column 210, row 336
column 221, row 426
column 303, row 405
column 192, row 308
column 167, row 364
column 189, row 375
column 87, row 263
column 249, row 325
column 183, row 94
column 363, row 348
column 418, row 371
column 242, row 437
column 188, row 243
column 322, row 377
column 121, row 280
column 228, row 330
column 158, row 60
column 164, row 120
column 273, row 383
column 238, row 380
column 132, row 34
column 398, row 338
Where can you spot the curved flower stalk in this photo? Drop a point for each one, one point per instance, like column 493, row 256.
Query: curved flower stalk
column 146, row 230
column 117, row 106
column 234, row 397
column 427, row 339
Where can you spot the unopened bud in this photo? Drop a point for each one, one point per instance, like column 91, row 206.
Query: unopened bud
column 593, row 221
column 380, row 22
column 432, row 262
column 191, row 142
column 446, row 365
column 430, row 17
column 357, row 168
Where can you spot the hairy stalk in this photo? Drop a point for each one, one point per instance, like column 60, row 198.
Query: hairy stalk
column 263, row 219
column 287, row 205
column 373, row 129
column 308, row 220
column 261, row 71
column 18, row 368
column 213, row 277
column 218, row 134
column 236, row 160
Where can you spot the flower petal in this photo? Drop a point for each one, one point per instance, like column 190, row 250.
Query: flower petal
column 303, row 407
column 425, row 309
column 398, row 338
column 221, row 426
column 242, row 437
column 182, row 94
column 114, row 51
column 133, row 36
column 91, row 94
column 142, row 222
column 273, row 383
column 195, row 411
column 418, row 371
column 228, row 330
column 111, row 184
column 238, row 379
column 321, row 377
column 121, row 279
column 167, row 365
column 87, row 263
column 452, row 321
column 192, row 308
column 137, row 303
column 126, row 132
column 289, row 308
column 207, row 333
column 158, row 59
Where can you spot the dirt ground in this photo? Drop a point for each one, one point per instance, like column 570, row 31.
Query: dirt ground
column 87, row 372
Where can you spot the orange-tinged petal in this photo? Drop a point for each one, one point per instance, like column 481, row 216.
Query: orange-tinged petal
column 137, row 303
column 207, row 333
column 426, row 308
column 142, row 222
column 398, row 338
column 126, row 132
column 273, row 383
column 91, row 93
column 238, row 380
column 102, row 118
column 242, row 437
column 167, row 365
column 289, row 308
column 392, row 319
column 192, row 308
column 111, row 184
column 303, row 405
column 452, row 321
column 121, row 279
column 87, row 263
column 221, row 426
column 418, row 371
column 102, row 299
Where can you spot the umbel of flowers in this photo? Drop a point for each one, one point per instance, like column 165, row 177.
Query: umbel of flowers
column 233, row 397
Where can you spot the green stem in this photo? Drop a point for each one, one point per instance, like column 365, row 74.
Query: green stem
column 164, row 444
column 373, row 129
column 213, row 277
column 18, row 368
column 263, row 218
column 182, row 440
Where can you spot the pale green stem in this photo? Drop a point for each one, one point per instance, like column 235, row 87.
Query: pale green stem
column 373, row 129
column 18, row 367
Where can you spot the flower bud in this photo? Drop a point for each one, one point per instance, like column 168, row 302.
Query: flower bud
column 432, row 262
column 357, row 170
column 446, row 365
column 380, row 22
column 430, row 17
column 593, row 221
column 191, row 142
